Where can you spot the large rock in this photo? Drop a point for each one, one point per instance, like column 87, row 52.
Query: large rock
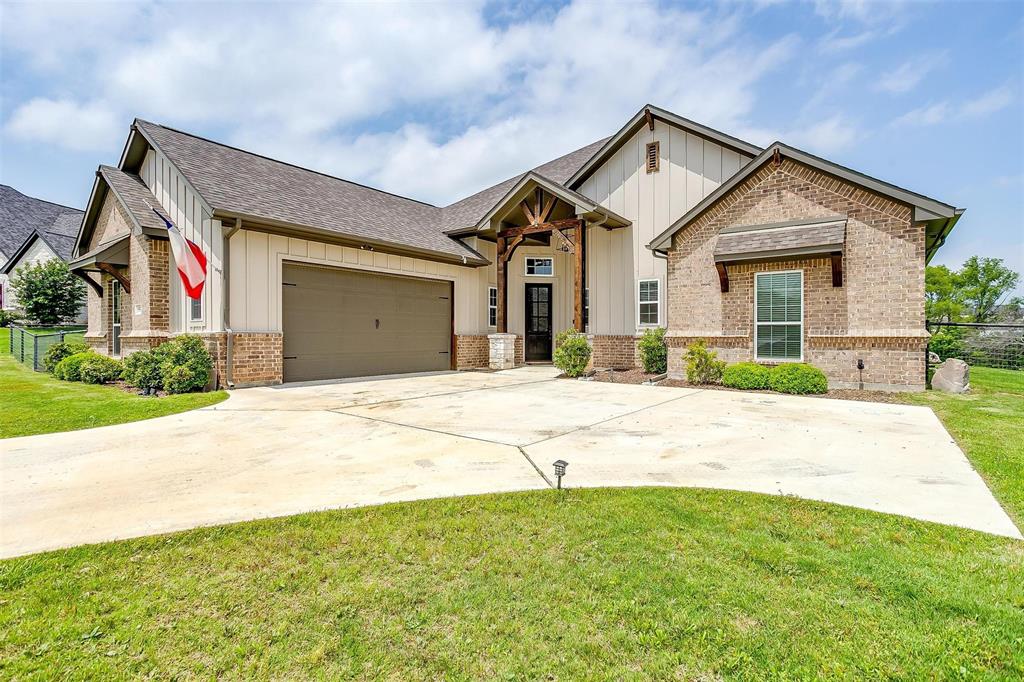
column 952, row 376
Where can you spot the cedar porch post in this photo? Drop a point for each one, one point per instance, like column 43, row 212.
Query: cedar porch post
column 499, row 263
column 579, row 275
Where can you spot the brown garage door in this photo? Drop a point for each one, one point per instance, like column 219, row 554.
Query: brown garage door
column 348, row 323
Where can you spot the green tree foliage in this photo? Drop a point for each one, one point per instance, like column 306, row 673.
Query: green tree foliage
column 48, row 292
column 977, row 292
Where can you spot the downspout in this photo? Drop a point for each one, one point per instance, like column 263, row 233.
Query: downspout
column 226, row 303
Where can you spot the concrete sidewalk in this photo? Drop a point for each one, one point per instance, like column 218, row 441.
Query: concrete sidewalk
column 289, row 449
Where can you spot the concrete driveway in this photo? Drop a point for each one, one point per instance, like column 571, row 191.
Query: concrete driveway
column 289, row 449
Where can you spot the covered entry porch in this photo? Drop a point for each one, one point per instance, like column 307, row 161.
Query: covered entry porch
column 539, row 231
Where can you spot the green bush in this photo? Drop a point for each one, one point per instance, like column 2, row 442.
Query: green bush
column 70, row 368
column 59, row 351
column 142, row 369
column 653, row 352
column 702, row 365
column 798, row 378
column 746, row 375
column 9, row 318
column 947, row 343
column 572, row 352
column 187, row 351
column 99, row 369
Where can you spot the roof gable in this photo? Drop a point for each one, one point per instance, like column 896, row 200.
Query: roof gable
column 646, row 117
column 939, row 217
column 131, row 193
column 21, row 216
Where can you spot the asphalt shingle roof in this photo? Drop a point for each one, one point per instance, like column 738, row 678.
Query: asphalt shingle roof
column 22, row 216
column 828, row 233
column 134, row 195
column 236, row 181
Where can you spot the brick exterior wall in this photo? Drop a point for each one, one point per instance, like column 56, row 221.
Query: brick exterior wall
column 472, row 351
column 877, row 315
column 618, row 352
column 257, row 358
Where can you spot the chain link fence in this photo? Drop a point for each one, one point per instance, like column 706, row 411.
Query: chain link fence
column 979, row 344
column 29, row 346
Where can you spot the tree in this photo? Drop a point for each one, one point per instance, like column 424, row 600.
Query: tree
column 48, row 292
column 977, row 292
column 985, row 284
column 942, row 302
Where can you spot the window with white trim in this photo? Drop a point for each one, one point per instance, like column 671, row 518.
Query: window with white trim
column 492, row 306
column 540, row 267
column 649, row 302
column 195, row 309
column 586, row 309
column 778, row 314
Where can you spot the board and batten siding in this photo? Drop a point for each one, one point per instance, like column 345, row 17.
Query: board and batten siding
column 256, row 272
column 193, row 217
column 690, row 168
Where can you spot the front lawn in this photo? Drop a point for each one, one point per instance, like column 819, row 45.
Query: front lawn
column 597, row 584
column 988, row 423
column 35, row 402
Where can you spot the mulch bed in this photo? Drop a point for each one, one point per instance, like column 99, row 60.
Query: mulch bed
column 623, row 376
column 131, row 389
column 836, row 394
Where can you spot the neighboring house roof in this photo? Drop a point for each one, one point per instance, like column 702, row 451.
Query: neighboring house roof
column 939, row 217
column 647, row 116
column 22, row 216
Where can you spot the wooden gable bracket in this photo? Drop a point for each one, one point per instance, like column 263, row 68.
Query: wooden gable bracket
column 649, row 118
column 116, row 274
column 837, row 268
column 510, row 249
column 96, row 286
column 723, row 277
column 565, row 243
column 777, row 158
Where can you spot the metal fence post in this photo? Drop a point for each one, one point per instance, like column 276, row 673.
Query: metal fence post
column 35, row 353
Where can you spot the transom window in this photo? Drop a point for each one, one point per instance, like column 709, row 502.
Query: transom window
column 649, row 302
column 541, row 267
column 492, row 306
column 778, row 303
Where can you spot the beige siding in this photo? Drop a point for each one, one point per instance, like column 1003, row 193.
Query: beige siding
column 256, row 267
column 690, row 169
column 193, row 217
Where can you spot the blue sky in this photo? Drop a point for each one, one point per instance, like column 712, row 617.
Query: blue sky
column 436, row 100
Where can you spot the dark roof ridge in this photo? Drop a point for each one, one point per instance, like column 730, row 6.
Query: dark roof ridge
column 283, row 163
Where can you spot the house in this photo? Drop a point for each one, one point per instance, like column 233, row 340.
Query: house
column 32, row 231
column 666, row 223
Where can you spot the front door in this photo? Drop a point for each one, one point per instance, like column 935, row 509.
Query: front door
column 538, row 323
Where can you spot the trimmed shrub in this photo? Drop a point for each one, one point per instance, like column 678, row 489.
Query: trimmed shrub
column 70, row 368
column 59, row 351
column 190, row 352
column 572, row 352
column 703, row 365
column 653, row 352
column 746, row 375
column 142, row 369
column 99, row 369
column 9, row 318
column 179, row 379
column 798, row 378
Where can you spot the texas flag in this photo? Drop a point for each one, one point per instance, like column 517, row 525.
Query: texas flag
column 188, row 257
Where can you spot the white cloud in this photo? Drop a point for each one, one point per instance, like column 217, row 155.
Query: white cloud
column 908, row 75
column 69, row 124
column 981, row 106
column 418, row 99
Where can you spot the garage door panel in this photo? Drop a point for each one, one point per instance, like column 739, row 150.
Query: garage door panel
column 345, row 323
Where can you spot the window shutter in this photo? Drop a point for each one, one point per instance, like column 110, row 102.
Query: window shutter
column 653, row 156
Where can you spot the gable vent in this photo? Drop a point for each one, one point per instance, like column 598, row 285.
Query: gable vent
column 653, row 156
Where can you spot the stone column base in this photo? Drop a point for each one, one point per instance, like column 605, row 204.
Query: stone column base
column 502, row 349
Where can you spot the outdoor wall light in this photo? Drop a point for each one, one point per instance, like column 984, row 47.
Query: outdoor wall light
column 560, row 465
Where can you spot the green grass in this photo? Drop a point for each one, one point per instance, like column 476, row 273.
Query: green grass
column 590, row 584
column 35, row 402
column 988, row 423
column 599, row 584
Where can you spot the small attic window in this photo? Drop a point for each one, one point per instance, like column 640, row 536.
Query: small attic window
column 653, row 156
